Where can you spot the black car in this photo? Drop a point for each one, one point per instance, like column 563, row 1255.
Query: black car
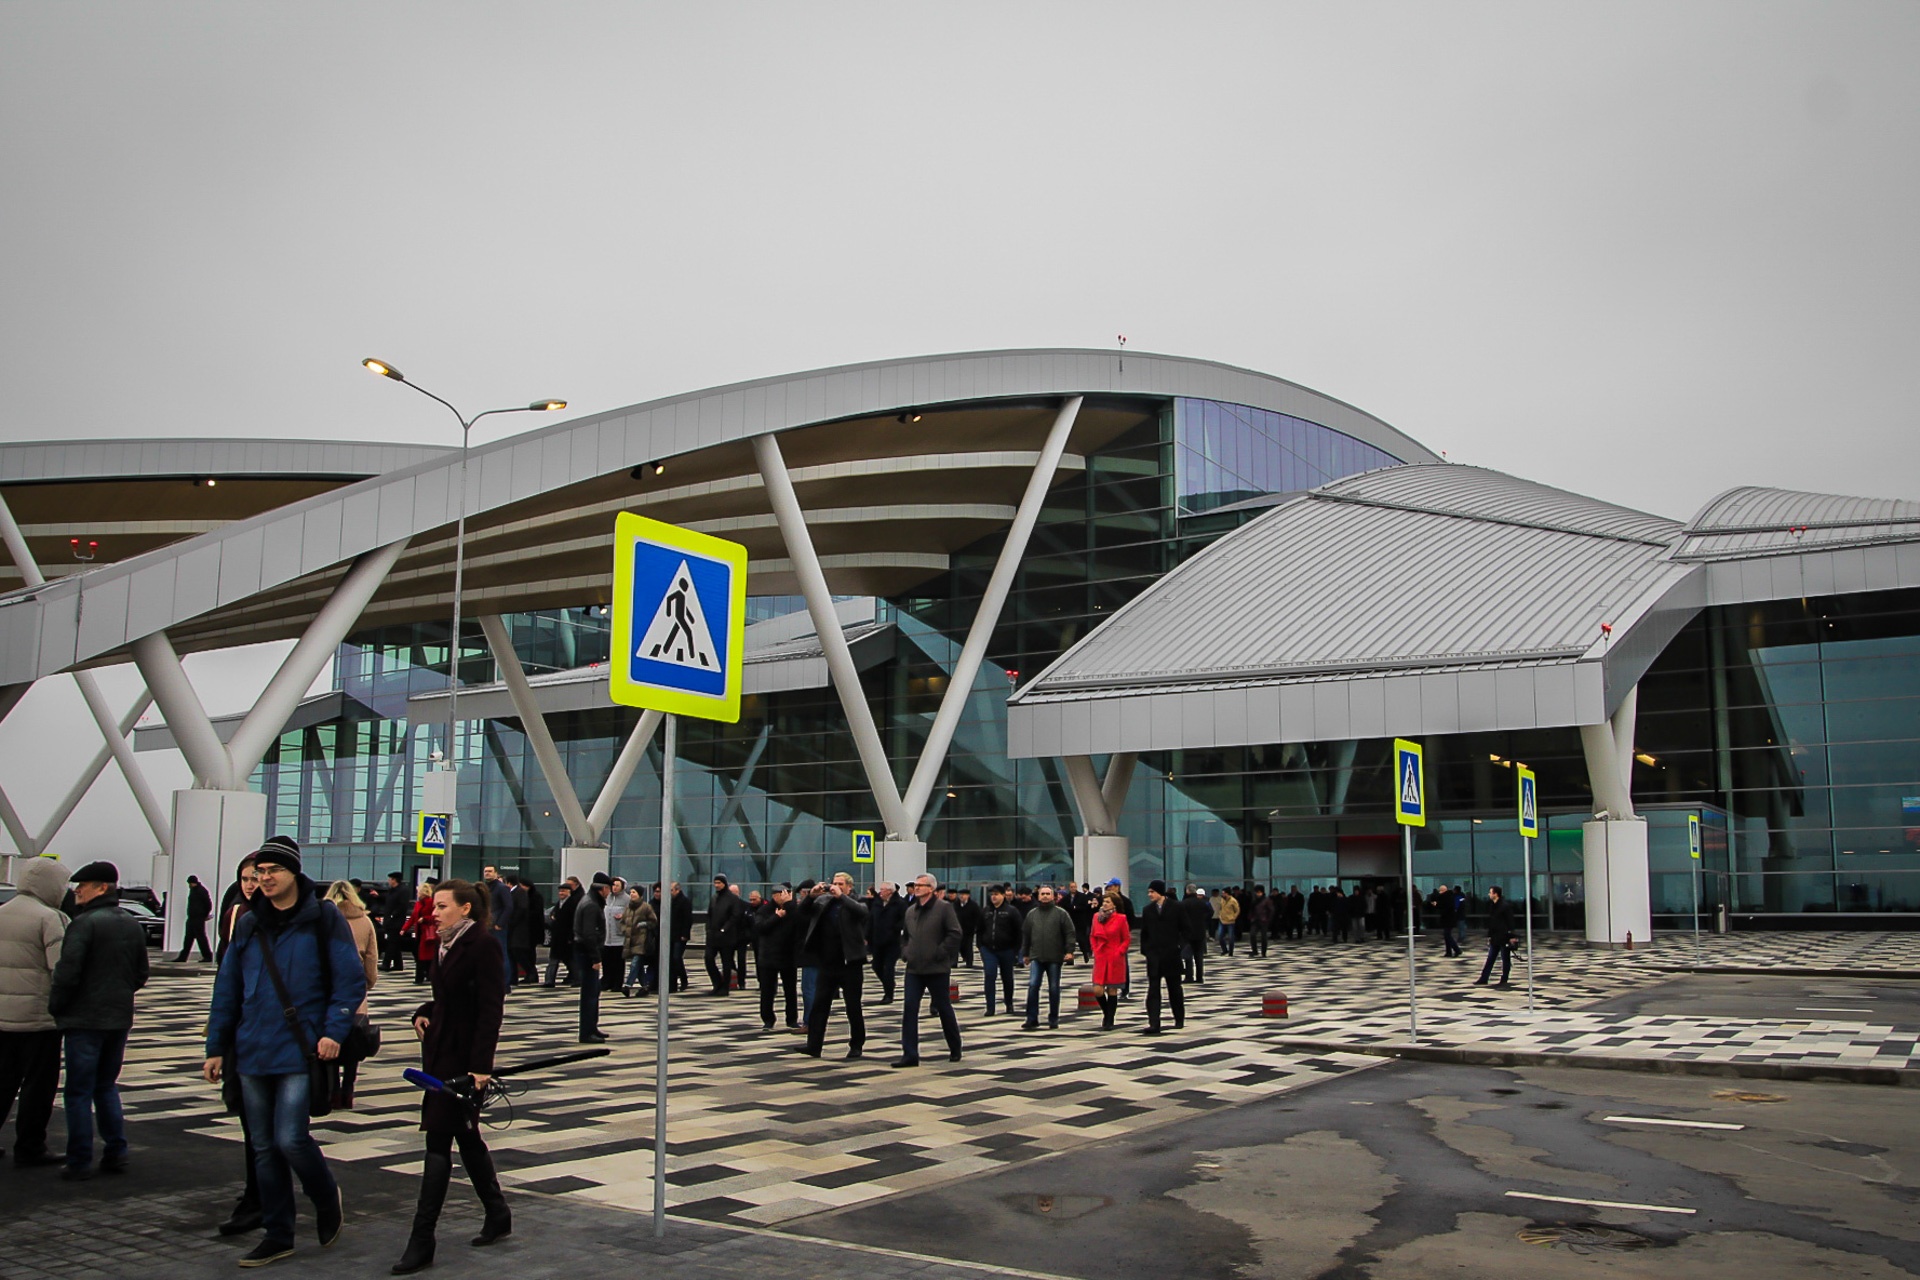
column 154, row 926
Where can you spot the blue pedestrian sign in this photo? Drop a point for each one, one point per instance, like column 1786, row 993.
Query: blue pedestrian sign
column 1693, row 835
column 1409, row 784
column 679, row 619
column 863, row 846
column 434, row 833
column 1529, row 804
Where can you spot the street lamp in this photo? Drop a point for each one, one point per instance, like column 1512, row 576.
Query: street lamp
column 386, row 370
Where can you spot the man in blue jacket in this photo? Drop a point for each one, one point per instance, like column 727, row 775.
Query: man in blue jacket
column 287, row 927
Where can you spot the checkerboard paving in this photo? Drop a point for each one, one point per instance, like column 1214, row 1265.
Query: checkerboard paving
column 759, row 1134
column 1865, row 953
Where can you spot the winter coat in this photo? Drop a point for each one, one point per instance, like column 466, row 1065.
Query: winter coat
column 1229, row 908
column 463, row 1024
column 499, row 905
column 1047, row 935
column 826, row 920
column 637, row 928
column 1110, row 941
column 103, row 961
column 360, row 925
column 1195, row 917
column 725, row 920
column 199, row 905
column 1161, row 930
column 520, row 928
column 885, row 920
column 561, row 932
column 776, row 935
column 425, row 930
column 1000, row 927
column 590, row 922
column 31, row 930
column 682, row 927
column 320, row 965
column 1500, row 921
column 932, row 934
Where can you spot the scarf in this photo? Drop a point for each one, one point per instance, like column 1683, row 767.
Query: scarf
column 450, row 936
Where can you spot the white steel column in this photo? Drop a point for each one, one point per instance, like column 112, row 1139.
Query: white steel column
column 833, row 641
column 89, row 775
column 1118, row 782
column 565, row 798
column 1617, row 874
column 186, row 716
column 933, row 756
column 22, row 839
column 1101, row 854
column 1094, row 817
column 629, row 760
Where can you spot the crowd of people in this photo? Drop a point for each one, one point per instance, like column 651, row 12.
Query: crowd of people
column 289, row 1020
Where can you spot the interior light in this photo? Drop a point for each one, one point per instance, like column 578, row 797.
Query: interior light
column 1644, row 758
column 908, row 416
column 659, row 468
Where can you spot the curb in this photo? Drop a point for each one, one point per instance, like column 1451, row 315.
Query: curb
column 1759, row 971
column 1896, row 1077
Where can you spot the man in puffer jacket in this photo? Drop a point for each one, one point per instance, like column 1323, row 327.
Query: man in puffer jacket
column 31, row 932
column 314, row 954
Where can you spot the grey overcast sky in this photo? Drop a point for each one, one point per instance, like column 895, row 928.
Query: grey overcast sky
column 1647, row 251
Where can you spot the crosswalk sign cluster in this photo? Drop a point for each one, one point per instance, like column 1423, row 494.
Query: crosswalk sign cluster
column 863, row 846
column 434, row 833
column 1409, row 784
column 679, row 619
column 1529, row 804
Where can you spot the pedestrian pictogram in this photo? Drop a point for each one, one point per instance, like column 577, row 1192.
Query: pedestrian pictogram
column 433, row 833
column 1409, row 771
column 863, row 846
column 679, row 619
column 1693, row 835
column 1529, row 804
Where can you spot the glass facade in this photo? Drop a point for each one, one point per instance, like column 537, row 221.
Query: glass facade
column 1228, row 453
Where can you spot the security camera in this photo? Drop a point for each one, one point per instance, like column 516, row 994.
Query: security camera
column 436, row 755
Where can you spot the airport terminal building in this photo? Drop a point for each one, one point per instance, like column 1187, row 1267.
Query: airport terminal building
column 1029, row 615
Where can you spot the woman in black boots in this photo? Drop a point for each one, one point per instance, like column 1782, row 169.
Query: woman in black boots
column 458, row 1030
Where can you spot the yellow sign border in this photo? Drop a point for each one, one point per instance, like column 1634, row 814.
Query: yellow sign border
column 1402, row 746
column 1693, row 835
column 420, row 834
column 1522, row 777
column 871, row 839
column 630, row 528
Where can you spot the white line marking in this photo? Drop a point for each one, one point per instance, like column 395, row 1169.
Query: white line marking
column 1678, row 1124
column 1600, row 1204
column 1825, row 1008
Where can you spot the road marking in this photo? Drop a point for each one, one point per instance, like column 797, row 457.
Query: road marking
column 1678, row 1124
column 1825, row 1008
column 1600, row 1204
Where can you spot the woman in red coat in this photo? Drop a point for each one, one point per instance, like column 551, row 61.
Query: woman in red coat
column 459, row 1030
column 425, row 934
column 1111, row 938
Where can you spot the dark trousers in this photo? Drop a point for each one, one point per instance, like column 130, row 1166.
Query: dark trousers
column 556, row 957
column 720, row 968
column 1166, row 970
column 94, row 1059
column 999, row 966
column 584, row 958
column 885, row 959
column 1497, row 949
column 1450, row 936
column 526, row 963
column 1193, row 961
column 610, row 966
column 679, row 975
column 284, row 1149
column 771, row 978
column 422, row 973
column 740, row 962
column 196, row 932
column 1257, row 940
column 506, row 953
column 966, row 948
column 29, row 1071
column 939, row 986
column 845, row 980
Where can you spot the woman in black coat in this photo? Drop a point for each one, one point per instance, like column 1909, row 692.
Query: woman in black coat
column 458, row 1029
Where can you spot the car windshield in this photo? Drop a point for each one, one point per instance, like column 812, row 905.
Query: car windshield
column 134, row 908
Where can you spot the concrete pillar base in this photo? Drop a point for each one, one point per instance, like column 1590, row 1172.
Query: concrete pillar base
column 582, row 861
column 1098, row 859
column 899, row 861
column 212, row 831
column 1619, row 890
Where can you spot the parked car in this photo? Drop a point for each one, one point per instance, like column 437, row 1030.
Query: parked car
column 143, row 895
column 154, row 926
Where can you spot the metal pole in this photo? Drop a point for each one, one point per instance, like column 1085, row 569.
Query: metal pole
column 1526, row 857
column 1413, row 989
column 1693, row 881
column 459, row 581
column 663, row 979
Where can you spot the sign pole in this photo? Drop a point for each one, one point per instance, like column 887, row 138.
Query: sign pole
column 1693, row 879
column 1410, row 811
column 1526, row 859
column 1529, row 818
column 1413, row 989
column 663, row 978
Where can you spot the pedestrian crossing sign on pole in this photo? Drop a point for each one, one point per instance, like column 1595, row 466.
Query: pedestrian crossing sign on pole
column 1410, row 784
column 863, row 846
column 1693, row 835
column 1529, row 804
column 434, row 833
column 679, row 619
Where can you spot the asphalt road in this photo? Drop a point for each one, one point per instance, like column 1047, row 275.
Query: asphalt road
column 1716, row 995
column 1404, row 1170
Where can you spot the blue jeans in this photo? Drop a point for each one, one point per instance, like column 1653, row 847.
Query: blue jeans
column 94, row 1059
column 638, row 972
column 1000, row 965
column 939, row 987
column 283, row 1149
column 1052, row 971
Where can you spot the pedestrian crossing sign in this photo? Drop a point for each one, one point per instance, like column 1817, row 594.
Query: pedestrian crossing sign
column 434, row 833
column 1410, row 784
column 679, row 619
column 1529, row 804
column 863, row 846
column 1693, row 835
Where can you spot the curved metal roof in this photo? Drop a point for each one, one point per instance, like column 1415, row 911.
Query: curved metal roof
column 1754, row 521
column 899, row 463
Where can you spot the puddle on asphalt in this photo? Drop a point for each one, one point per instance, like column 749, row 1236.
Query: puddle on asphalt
column 1586, row 1237
column 1740, row 1095
column 1059, row 1208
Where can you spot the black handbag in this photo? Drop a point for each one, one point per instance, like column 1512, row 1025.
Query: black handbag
column 363, row 1040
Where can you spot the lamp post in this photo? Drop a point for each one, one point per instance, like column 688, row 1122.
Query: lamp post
column 386, row 370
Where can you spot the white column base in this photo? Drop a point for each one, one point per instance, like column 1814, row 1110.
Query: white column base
column 582, row 861
column 1098, row 859
column 1619, row 889
column 899, row 861
column 212, row 831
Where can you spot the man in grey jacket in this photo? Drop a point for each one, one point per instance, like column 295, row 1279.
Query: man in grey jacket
column 103, row 961
column 1046, row 940
column 31, row 932
column 932, row 933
